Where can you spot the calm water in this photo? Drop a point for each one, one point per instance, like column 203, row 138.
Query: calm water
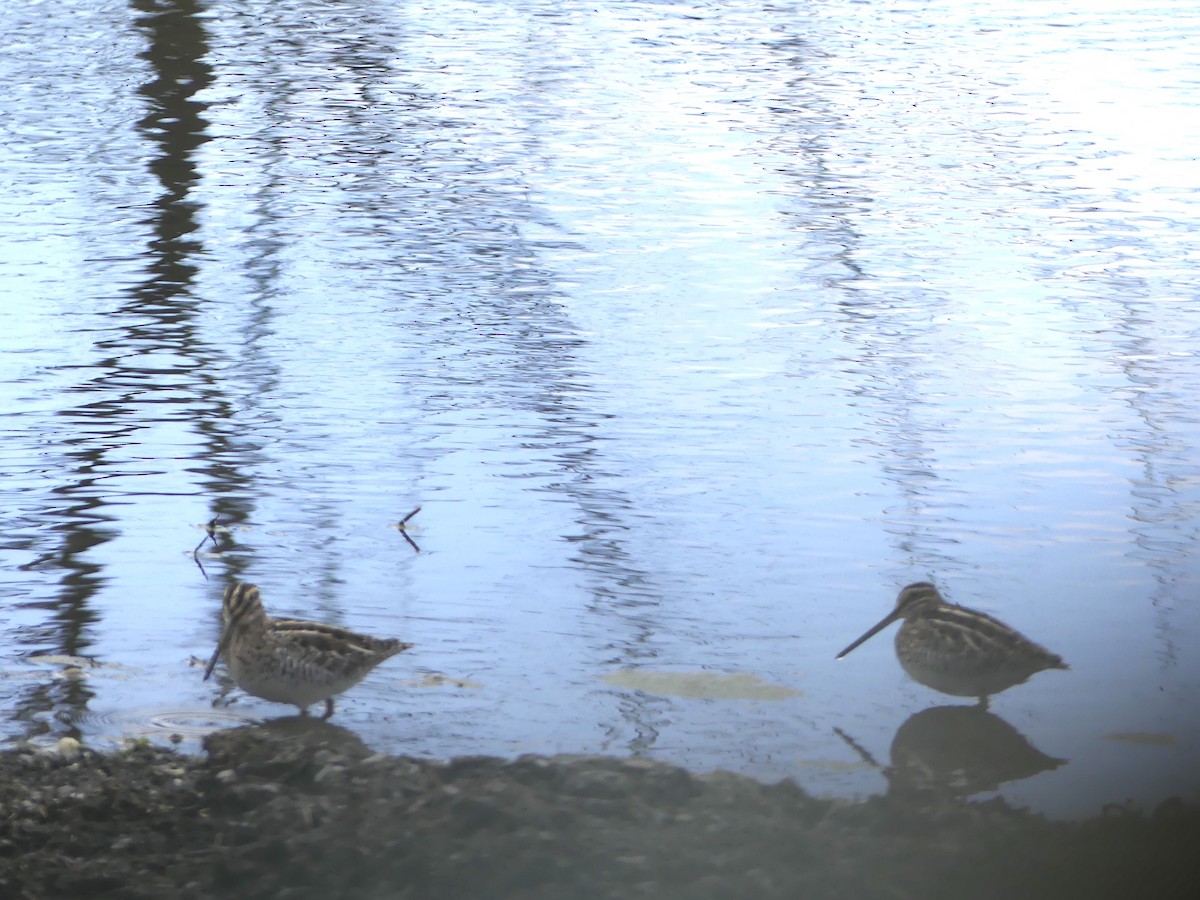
column 695, row 330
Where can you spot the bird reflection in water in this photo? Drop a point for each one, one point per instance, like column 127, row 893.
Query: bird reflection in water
column 956, row 751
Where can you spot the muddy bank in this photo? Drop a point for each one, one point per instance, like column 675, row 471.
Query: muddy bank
column 301, row 809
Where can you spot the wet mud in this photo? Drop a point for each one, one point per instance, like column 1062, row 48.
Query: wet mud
column 301, row 809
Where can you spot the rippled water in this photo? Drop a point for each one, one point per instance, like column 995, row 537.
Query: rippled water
column 696, row 331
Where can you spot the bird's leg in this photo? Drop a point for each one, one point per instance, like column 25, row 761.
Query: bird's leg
column 328, row 708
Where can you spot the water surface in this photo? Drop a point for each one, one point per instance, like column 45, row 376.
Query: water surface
column 695, row 331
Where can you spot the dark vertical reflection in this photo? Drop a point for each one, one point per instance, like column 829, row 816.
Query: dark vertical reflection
column 887, row 368
column 174, row 124
column 124, row 392
column 893, row 396
column 624, row 598
column 1162, row 527
column 163, row 305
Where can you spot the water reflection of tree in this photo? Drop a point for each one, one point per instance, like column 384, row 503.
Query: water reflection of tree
column 1163, row 500
column 123, row 394
column 471, row 302
column 887, row 366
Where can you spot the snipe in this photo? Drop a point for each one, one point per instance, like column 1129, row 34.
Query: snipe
column 957, row 650
column 289, row 660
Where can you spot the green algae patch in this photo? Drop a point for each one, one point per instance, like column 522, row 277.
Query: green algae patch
column 1144, row 738
column 700, row 685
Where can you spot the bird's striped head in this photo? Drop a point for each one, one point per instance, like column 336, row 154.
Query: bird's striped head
column 241, row 608
column 917, row 598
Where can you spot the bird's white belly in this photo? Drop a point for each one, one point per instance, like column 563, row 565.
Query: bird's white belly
column 959, row 677
column 268, row 678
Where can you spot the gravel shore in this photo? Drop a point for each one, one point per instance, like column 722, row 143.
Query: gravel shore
column 300, row 808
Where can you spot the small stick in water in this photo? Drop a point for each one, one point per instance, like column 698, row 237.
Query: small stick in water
column 210, row 533
column 404, row 531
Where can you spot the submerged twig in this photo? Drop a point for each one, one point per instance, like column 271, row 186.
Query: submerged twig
column 210, row 533
column 404, row 531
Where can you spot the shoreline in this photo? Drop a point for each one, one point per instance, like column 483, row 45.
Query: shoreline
column 301, row 808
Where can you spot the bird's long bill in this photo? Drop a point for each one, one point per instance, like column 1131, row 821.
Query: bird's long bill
column 871, row 632
column 212, row 663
